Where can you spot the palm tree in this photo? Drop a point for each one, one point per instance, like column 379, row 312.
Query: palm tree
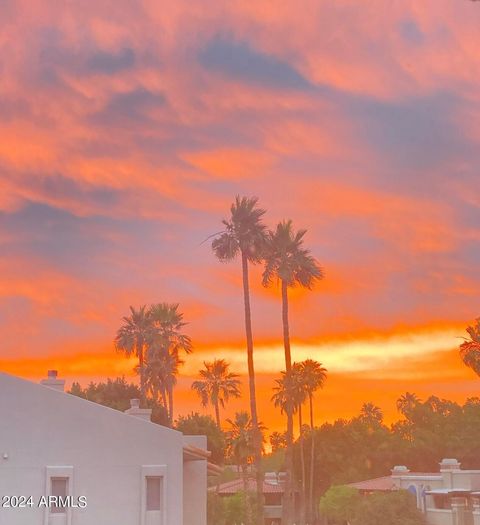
column 313, row 377
column 277, row 440
column 167, row 342
column 371, row 414
column 134, row 336
column 161, row 370
column 290, row 263
column 217, row 385
column 241, row 448
column 470, row 348
column 244, row 235
column 290, row 391
column 240, row 441
column 406, row 403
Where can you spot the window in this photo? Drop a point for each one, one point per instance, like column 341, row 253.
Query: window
column 153, row 503
column 59, row 489
column 154, row 493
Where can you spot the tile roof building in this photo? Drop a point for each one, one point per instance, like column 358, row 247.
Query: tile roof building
column 273, row 489
column 450, row 496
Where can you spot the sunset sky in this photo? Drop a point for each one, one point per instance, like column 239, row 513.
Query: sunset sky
column 127, row 128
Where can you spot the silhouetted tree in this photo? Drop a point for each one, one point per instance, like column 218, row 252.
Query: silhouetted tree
column 470, row 348
column 244, row 235
column 133, row 338
column 196, row 424
column 217, row 385
column 287, row 261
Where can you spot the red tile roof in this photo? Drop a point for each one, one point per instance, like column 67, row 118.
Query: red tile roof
column 386, row 482
column 232, row 487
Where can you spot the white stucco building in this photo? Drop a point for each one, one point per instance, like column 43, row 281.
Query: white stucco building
column 111, row 468
column 450, row 496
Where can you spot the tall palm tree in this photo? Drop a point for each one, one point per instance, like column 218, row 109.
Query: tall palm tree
column 217, row 385
column 133, row 338
column 241, row 448
column 244, row 235
column 470, row 348
column 313, row 377
column 290, row 392
column 167, row 343
column 290, row 263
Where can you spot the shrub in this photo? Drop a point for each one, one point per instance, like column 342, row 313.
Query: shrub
column 339, row 504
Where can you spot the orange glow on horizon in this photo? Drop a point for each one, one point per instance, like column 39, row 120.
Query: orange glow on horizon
column 127, row 133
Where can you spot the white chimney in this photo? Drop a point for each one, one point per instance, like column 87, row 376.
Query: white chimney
column 136, row 411
column 399, row 471
column 52, row 381
column 448, row 464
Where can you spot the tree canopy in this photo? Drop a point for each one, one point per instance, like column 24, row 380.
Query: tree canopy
column 196, row 424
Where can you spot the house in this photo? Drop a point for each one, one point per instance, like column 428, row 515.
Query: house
column 273, row 489
column 68, row 461
column 450, row 496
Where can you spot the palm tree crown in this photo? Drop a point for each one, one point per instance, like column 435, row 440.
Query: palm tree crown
column 313, row 375
column 134, row 336
column 240, row 438
column 168, row 323
column 470, row 348
column 371, row 413
column 217, row 385
column 406, row 403
column 244, row 231
column 289, row 387
column 287, row 260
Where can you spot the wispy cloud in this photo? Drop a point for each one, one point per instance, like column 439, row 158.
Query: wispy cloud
column 127, row 132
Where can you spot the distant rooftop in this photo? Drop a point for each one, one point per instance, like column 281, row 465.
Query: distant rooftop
column 387, row 483
column 236, row 485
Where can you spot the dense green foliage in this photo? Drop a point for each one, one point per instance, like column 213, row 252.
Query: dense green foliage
column 394, row 508
column 196, row 424
column 364, row 447
column 117, row 393
column 341, row 505
column 231, row 510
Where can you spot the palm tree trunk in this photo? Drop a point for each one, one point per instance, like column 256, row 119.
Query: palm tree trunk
column 163, row 396
column 289, row 503
column 302, row 460
column 311, row 508
column 141, row 366
column 253, row 399
column 248, row 518
column 170, row 404
column 286, row 328
column 217, row 414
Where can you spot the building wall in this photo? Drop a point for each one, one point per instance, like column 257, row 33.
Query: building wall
column 465, row 479
column 439, row 517
column 195, row 486
column 41, row 427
